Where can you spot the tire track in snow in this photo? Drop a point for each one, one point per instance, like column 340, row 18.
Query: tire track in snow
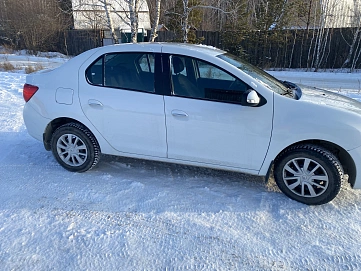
column 345, row 262
column 182, row 241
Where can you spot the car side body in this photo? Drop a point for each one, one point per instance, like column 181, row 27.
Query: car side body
column 213, row 130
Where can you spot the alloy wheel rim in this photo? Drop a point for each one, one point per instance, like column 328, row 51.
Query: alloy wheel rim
column 72, row 150
column 305, row 177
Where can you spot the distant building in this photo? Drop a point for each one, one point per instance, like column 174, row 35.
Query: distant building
column 90, row 14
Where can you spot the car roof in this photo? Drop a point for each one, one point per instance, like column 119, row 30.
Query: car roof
column 166, row 47
column 205, row 49
column 195, row 50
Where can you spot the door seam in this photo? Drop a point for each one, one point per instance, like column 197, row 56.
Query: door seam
column 165, row 125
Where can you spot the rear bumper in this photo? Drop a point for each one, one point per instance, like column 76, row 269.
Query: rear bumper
column 356, row 156
column 34, row 122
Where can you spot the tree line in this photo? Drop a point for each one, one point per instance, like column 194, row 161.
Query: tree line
column 309, row 29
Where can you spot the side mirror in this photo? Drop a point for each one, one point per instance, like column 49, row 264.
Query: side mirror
column 252, row 98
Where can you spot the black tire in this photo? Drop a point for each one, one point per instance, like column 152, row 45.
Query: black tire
column 309, row 174
column 75, row 147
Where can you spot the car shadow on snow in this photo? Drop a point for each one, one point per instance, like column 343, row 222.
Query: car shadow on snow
column 193, row 186
column 159, row 186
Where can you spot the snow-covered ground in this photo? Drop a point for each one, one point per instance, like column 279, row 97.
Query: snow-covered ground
column 348, row 84
column 20, row 59
column 129, row 214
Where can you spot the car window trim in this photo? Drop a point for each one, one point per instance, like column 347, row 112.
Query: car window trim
column 157, row 69
column 163, row 73
column 167, row 82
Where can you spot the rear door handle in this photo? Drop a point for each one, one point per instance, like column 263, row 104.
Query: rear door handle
column 179, row 113
column 95, row 103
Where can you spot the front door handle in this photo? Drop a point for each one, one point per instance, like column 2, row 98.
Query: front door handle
column 95, row 103
column 179, row 113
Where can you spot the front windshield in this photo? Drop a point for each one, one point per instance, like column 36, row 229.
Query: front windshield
column 258, row 74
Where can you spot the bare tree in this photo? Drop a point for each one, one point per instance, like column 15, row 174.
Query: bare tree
column 326, row 22
column 110, row 21
column 134, row 18
column 129, row 15
column 355, row 46
column 154, row 34
column 188, row 9
column 38, row 32
column 115, row 12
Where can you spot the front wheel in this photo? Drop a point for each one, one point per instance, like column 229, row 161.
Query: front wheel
column 309, row 174
column 75, row 147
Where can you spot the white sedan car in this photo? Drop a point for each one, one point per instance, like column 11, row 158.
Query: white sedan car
column 195, row 105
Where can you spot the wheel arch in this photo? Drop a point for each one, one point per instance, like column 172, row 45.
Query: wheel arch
column 342, row 155
column 56, row 123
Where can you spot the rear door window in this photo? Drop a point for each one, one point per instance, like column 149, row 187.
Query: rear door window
column 94, row 73
column 130, row 71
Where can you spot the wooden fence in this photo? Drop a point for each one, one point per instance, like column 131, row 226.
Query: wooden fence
column 299, row 48
column 295, row 48
column 74, row 42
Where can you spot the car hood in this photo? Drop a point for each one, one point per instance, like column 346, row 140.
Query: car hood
column 328, row 98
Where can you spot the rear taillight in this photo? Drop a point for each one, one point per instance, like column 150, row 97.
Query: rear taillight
column 29, row 91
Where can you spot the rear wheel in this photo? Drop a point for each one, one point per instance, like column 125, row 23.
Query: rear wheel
column 75, row 147
column 309, row 174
